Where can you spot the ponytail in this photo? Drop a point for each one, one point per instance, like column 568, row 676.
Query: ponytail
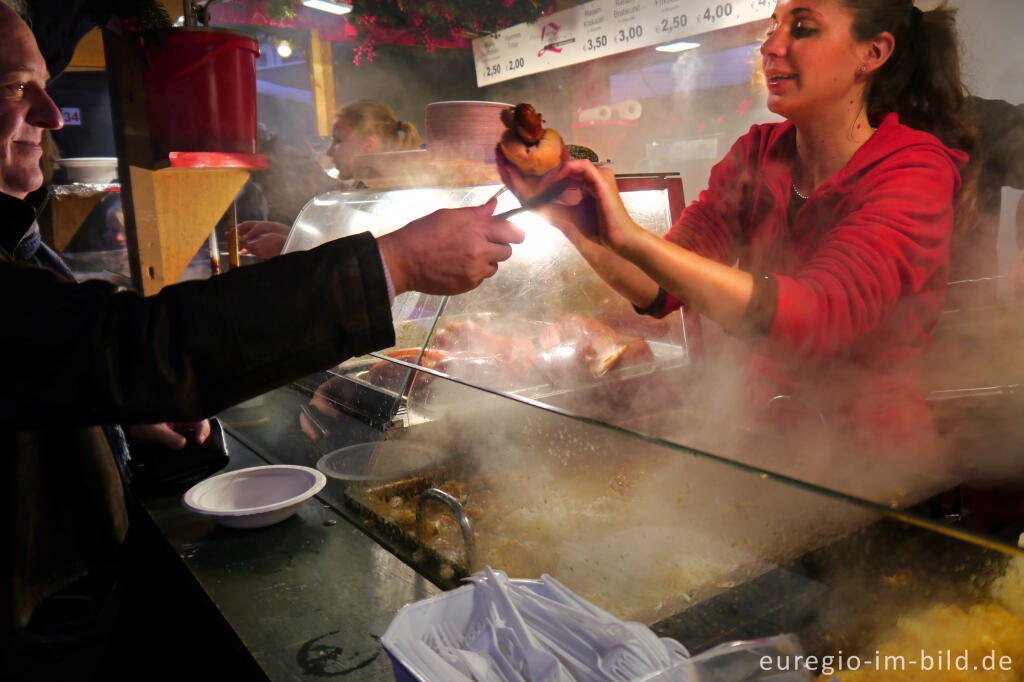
column 406, row 136
column 921, row 80
column 369, row 118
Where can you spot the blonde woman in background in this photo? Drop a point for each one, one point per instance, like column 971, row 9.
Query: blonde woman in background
column 368, row 127
column 361, row 127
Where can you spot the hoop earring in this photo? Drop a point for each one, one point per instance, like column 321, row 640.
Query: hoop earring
column 862, row 68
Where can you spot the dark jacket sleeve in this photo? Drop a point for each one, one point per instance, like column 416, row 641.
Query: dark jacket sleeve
column 88, row 353
column 1001, row 132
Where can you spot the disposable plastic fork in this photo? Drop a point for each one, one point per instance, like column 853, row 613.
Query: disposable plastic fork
column 476, row 666
column 570, row 598
column 432, row 664
column 599, row 636
column 621, row 664
column 541, row 665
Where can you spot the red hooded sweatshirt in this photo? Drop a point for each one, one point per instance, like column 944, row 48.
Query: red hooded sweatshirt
column 861, row 272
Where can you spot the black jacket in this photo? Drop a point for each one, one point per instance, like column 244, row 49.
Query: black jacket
column 1000, row 127
column 81, row 355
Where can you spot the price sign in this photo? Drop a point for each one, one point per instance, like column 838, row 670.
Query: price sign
column 600, row 28
column 669, row 25
column 72, row 116
column 714, row 13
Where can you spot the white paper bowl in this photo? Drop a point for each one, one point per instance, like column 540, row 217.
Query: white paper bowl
column 255, row 497
column 91, row 169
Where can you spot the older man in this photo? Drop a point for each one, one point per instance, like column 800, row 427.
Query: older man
column 83, row 355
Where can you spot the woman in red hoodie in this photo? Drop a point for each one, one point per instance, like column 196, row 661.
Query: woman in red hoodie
column 839, row 218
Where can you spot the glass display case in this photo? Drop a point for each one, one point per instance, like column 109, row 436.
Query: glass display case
column 538, row 425
column 544, row 327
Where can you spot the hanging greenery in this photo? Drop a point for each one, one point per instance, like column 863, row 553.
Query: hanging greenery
column 145, row 20
column 280, row 10
column 433, row 21
column 438, row 20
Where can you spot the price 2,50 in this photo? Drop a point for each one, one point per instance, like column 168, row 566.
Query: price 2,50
column 675, row 23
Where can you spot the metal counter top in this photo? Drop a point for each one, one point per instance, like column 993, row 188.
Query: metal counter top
column 309, row 597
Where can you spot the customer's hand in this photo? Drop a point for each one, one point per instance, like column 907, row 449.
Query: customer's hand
column 262, row 238
column 171, row 435
column 326, row 405
column 1017, row 276
column 449, row 251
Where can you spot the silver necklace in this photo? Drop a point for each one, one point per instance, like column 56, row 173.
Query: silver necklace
column 798, row 192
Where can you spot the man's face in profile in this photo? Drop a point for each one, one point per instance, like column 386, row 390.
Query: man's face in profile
column 25, row 108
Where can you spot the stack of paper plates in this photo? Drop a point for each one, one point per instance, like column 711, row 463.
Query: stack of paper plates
column 467, row 131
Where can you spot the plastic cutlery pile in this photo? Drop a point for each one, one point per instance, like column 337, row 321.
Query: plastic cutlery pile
column 534, row 631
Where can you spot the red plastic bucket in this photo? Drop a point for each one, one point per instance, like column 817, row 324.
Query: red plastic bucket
column 201, row 92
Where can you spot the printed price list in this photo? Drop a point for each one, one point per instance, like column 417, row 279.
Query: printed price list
column 603, row 27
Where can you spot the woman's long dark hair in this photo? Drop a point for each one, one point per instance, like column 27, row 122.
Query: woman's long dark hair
column 921, row 80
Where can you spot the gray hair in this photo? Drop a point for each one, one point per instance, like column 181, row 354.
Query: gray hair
column 19, row 6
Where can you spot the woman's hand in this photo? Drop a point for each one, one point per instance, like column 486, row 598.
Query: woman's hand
column 610, row 224
column 590, row 207
column 572, row 212
column 262, row 238
column 171, row 435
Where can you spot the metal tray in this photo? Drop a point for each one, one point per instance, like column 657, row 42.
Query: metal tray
column 404, row 538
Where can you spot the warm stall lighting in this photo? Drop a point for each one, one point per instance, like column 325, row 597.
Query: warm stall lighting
column 284, row 48
column 677, row 47
column 327, row 6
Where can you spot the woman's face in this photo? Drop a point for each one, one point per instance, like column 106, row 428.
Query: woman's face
column 810, row 59
column 345, row 144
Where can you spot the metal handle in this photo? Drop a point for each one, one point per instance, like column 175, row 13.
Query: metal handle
column 457, row 510
column 801, row 402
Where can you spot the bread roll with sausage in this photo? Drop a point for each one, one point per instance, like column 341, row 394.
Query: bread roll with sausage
column 527, row 144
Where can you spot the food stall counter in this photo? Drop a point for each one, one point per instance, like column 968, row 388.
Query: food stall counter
column 634, row 483
column 305, row 598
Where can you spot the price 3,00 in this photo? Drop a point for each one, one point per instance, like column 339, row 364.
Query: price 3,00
column 627, row 34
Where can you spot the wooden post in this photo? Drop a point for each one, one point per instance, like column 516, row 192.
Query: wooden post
column 131, row 134
column 168, row 212
column 88, row 54
column 175, row 211
column 321, row 75
column 66, row 215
